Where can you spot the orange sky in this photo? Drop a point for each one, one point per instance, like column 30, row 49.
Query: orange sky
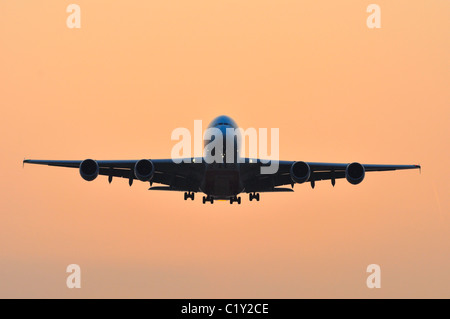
column 117, row 87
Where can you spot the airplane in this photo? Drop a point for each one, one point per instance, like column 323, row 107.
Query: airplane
column 221, row 181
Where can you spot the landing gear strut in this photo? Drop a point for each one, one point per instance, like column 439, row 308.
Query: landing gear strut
column 208, row 199
column 235, row 199
column 252, row 196
column 189, row 195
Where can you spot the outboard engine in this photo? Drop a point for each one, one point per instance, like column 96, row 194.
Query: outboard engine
column 300, row 172
column 89, row 169
column 354, row 173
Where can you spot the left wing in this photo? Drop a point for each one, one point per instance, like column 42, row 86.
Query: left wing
column 290, row 172
column 183, row 176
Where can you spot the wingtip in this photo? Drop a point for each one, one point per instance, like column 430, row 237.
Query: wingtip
column 419, row 167
column 25, row 161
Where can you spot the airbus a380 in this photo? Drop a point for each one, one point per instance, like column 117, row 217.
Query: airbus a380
column 221, row 181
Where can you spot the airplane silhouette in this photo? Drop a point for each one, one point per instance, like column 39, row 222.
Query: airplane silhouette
column 221, row 180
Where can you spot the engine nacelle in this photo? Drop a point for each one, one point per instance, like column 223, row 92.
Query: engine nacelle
column 300, row 172
column 89, row 169
column 354, row 173
column 144, row 170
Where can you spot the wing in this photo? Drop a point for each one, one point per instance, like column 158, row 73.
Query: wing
column 183, row 176
column 254, row 181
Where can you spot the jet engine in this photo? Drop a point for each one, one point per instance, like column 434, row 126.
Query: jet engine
column 354, row 173
column 144, row 170
column 89, row 169
column 300, row 172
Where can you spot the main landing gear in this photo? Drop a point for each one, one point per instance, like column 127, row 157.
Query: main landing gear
column 252, row 196
column 208, row 199
column 189, row 195
column 235, row 199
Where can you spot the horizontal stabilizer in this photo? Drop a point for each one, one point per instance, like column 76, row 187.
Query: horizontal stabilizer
column 276, row 190
column 164, row 188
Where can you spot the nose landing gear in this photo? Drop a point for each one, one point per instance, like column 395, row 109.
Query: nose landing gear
column 252, row 196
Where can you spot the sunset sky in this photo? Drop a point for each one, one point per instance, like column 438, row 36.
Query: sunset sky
column 135, row 70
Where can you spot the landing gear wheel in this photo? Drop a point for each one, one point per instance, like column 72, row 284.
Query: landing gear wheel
column 189, row 195
column 235, row 199
column 252, row 196
column 208, row 199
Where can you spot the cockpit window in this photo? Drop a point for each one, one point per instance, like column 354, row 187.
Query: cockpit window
column 223, row 120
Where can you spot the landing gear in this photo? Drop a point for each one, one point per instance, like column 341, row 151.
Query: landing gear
column 189, row 195
column 235, row 199
column 252, row 196
column 208, row 199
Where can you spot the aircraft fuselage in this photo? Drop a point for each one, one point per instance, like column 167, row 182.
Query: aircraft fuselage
column 223, row 180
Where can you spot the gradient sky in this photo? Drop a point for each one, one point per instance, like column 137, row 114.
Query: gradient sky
column 117, row 87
